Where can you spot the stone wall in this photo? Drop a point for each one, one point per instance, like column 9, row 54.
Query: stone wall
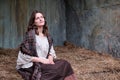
column 94, row 24
column 14, row 16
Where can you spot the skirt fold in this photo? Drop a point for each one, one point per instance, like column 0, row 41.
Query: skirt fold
column 61, row 70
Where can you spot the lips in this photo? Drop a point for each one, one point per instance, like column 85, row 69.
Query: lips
column 42, row 22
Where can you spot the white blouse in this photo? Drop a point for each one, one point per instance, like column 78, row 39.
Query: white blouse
column 42, row 46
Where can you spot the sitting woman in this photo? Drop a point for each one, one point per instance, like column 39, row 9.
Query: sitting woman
column 36, row 58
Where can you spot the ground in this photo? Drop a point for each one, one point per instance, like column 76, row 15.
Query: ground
column 87, row 64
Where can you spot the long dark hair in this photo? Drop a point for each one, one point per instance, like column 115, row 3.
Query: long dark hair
column 32, row 26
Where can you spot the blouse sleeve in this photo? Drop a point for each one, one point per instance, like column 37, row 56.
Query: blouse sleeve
column 23, row 59
column 52, row 52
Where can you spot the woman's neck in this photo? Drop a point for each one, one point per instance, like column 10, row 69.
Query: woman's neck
column 40, row 30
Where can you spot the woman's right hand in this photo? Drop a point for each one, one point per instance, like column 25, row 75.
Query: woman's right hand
column 44, row 61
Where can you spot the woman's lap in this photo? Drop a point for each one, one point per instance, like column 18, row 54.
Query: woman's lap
column 58, row 71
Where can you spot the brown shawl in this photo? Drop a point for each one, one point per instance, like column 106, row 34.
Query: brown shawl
column 28, row 46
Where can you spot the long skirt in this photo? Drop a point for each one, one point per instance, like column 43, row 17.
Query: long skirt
column 61, row 70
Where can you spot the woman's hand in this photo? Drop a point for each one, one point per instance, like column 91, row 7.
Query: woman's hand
column 37, row 59
column 51, row 59
column 44, row 61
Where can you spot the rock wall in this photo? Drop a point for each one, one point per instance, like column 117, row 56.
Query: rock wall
column 14, row 16
column 94, row 24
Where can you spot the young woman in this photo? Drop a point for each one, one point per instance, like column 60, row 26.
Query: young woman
column 36, row 58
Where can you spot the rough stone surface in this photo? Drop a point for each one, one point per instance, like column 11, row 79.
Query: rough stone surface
column 94, row 24
column 14, row 16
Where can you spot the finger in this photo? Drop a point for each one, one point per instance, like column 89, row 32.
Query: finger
column 53, row 62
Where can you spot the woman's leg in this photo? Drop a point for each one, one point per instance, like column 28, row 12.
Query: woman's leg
column 58, row 71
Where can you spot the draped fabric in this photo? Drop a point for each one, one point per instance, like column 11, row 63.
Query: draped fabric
column 28, row 46
column 58, row 71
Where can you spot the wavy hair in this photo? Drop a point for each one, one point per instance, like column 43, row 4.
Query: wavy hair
column 32, row 26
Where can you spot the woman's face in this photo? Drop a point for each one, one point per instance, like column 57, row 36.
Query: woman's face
column 39, row 20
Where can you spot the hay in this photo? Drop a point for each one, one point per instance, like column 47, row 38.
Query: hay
column 87, row 65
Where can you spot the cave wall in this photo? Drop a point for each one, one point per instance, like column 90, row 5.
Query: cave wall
column 94, row 24
column 14, row 16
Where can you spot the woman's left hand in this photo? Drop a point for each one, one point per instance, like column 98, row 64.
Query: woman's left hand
column 51, row 59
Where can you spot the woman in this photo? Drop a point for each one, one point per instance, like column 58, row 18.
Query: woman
column 36, row 58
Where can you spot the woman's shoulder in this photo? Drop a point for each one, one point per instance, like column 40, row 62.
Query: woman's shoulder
column 30, row 33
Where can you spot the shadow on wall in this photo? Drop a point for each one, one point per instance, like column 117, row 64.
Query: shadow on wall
column 73, row 27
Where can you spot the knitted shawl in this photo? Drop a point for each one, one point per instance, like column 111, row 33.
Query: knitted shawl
column 28, row 46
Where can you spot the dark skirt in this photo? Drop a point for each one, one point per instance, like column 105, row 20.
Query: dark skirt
column 58, row 71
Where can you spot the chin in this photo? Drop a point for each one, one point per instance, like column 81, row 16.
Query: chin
column 40, row 24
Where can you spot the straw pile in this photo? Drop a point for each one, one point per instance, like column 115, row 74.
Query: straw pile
column 87, row 65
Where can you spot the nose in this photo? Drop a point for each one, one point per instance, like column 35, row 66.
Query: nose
column 40, row 19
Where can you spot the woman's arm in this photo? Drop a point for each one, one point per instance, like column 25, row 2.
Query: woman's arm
column 52, row 52
column 25, row 59
column 50, row 57
column 42, row 60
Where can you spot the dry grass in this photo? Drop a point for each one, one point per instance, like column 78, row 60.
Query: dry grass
column 87, row 65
